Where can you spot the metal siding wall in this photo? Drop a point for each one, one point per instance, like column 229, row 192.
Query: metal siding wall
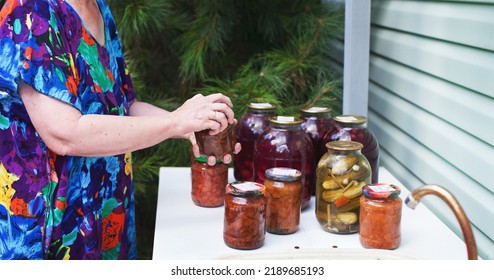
column 431, row 101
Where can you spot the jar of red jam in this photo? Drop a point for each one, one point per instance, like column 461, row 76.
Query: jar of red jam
column 216, row 145
column 317, row 121
column 245, row 215
column 248, row 129
column 283, row 200
column 284, row 144
column 380, row 216
column 208, row 182
column 341, row 174
column 354, row 128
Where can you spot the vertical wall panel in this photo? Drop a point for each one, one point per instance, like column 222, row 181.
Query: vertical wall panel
column 431, row 102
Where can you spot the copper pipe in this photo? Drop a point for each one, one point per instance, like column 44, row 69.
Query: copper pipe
column 413, row 199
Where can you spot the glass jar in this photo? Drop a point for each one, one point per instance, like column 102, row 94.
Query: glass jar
column 245, row 215
column 216, row 145
column 317, row 121
column 354, row 128
column 283, row 200
column 248, row 129
column 341, row 174
column 208, row 182
column 284, row 144
column 380, row 217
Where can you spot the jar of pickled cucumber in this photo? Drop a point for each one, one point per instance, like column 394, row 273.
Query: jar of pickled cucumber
column 284, row 144
column 247, row 130
column 354, row 128
column 283, row 200
column 244, row 225
column 341, row 174
column 208, row 182
column 317, row 121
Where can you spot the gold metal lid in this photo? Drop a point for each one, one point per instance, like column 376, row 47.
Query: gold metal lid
column 351, row 118
column 344, row 145
column 286, row 120
column 315, row 110
column 261, row 106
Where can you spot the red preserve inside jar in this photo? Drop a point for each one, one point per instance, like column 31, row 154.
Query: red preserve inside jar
column 245, row 215
column 284, row 144
column 248, row 129
column 208, row 182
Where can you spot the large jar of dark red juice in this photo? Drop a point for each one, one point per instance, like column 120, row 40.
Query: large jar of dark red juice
column 285, row 144
column 354, row 128
column 317, row 121
column 248, row 128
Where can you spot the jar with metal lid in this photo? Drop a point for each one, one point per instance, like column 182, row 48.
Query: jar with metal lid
column 248, row 129
column 216, row 145
column 354, row 128
column 284, row 144
column 283, row 200
column 380, row 216
column 317, row 121
column 208, row 182
column 341, row 174
column 245, row 215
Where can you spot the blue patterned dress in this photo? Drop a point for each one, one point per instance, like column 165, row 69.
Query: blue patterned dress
column 52, row 206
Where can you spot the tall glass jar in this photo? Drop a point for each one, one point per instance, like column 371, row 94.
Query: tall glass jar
column 341, row 174
column 354, row 128
column 284, row 144
column 317, row 121
column 248, row 129
column 283, row 199
column 244, row 224
column 380, row 216
column 208, row 182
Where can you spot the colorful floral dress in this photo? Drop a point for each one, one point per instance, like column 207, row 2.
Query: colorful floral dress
column 52, row 206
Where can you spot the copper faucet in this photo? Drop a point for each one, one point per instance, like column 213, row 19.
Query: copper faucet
column 413, row 199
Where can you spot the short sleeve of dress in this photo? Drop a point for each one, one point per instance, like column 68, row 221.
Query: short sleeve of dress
column 36, row 51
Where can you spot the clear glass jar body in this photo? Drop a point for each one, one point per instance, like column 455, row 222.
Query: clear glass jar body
column 208, row 182
column 380, row 217
column 317, row 121
column 284, row 144
column 216, row 145
column 283, row 200
column 354, row 128
column 341, row 174
column 248, row 129
column 245, row 215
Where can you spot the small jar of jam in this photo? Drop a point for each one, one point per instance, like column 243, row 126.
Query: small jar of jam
column 216, row 145
column 245, row 215
column 380, row 216
column 283, row 200
column 208, row 182
column 341, row 174
column 248, row 129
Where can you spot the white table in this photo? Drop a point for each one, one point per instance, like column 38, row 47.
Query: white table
column 185, row 231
